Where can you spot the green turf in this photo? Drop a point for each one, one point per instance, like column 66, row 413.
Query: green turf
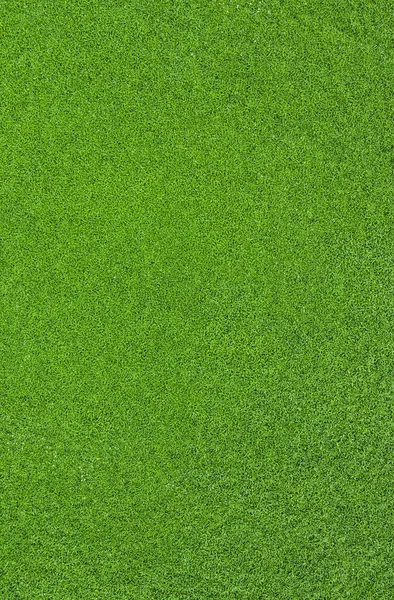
column 196, row 225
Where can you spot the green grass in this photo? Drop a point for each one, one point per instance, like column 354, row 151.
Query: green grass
column 196, row 252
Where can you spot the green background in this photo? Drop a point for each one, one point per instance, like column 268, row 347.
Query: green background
column 196, row 275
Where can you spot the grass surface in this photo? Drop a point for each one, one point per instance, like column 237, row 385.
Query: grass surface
column 196, row 224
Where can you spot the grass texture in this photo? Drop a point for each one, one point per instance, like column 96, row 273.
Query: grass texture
column 196, row 223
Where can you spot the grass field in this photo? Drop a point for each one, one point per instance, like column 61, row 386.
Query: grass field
column 196, row 274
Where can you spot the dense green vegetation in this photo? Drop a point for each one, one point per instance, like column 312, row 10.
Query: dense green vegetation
column 196, row 271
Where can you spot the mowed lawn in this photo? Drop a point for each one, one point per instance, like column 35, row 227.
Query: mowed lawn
column 197, row 299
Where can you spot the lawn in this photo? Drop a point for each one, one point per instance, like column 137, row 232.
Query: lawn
column 197, row 300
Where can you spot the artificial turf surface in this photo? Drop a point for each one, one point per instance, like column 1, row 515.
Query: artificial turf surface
column 196, row 228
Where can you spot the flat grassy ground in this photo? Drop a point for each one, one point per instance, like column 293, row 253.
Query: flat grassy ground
column 197, row 259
